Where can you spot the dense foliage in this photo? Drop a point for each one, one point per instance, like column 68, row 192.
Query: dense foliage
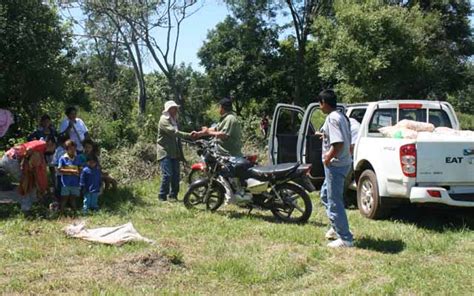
column 365, row 50
column 35, row 56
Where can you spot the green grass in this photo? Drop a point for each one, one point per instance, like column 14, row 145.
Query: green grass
column 416, row 252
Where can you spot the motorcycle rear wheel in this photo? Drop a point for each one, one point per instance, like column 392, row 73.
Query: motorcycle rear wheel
column 294, row 200
column 195, row 197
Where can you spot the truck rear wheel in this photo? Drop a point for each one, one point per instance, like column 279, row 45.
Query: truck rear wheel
column 368, row 199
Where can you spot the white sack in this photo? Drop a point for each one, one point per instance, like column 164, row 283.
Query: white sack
column 106, row 235
column 416, row 125
column 453, row 132
column 398, row 132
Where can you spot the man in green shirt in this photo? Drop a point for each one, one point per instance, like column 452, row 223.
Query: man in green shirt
column 169, row 151
column 229, row 135
column 228, row 131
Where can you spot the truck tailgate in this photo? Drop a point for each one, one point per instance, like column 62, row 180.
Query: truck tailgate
column 445, row 159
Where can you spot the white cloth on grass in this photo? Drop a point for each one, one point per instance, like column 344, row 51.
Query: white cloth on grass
column 118, row 235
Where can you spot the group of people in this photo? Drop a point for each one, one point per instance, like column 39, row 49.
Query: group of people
column 72, row 158
column 337, row 148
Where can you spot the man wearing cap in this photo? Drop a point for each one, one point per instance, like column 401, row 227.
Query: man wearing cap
column 229, row 136
column 228, row 131
column 169, row 151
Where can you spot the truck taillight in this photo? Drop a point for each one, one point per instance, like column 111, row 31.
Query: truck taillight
column 408, row 160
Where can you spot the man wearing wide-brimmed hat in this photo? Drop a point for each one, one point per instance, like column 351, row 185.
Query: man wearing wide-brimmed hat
column 169, row 151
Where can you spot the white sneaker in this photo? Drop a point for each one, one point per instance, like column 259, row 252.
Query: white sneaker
column 331, row 234
column 340, row 243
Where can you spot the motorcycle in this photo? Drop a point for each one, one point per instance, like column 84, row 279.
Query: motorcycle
column 281, row 189
column 199, row 169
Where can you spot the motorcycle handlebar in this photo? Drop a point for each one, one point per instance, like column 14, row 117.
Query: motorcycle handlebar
column 209, row 145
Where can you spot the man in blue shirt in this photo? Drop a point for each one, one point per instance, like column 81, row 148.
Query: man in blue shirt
column 90, row 182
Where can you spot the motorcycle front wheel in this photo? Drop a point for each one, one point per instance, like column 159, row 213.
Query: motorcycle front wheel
column 195, row 175
column 198, row 196
column 292, row 204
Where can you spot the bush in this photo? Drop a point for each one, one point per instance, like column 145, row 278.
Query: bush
column 127, row 164
column 466, row 121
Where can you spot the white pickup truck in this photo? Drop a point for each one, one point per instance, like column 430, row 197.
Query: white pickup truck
column 430, row 169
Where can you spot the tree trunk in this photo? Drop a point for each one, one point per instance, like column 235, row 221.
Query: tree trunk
column 142, row 98
column 300, row 74
column 178, row 98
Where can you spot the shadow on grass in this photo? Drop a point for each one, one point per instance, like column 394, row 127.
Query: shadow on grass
column 380, row 245
column 120, row 199
column 9, row 211
column 259, row 215
column 438, row 219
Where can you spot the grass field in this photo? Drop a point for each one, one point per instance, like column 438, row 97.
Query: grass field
column 416, row 252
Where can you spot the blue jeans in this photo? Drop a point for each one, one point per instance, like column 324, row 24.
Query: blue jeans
column 169, row 176
column 90, row 201
column 333, row 200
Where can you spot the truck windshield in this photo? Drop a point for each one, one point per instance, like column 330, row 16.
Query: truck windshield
column 388, row 116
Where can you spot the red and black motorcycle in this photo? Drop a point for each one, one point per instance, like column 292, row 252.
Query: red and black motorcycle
column 199, row 169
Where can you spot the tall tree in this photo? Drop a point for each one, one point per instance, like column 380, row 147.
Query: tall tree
column 153, row 24
column 303, row 13
column 35, row 56
column 105, row 24
column 237, row 56
column 373, row 51
column 455, row 40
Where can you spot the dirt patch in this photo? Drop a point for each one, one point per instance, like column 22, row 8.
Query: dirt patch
column 144, row 265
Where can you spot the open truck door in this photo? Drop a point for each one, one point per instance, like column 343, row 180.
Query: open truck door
column 284, row 130
column 309, row 146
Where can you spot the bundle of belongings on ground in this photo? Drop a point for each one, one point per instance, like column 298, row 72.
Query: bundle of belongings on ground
column 118, row 235
column 409, row 129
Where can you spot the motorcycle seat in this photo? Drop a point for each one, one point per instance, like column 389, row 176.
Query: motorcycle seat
column 273, row 171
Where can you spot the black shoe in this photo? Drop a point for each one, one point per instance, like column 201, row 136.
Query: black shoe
column 173, row 199
column 162, row 198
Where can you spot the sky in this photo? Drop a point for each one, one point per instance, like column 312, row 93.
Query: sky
column 193, row 32
column 195, row 29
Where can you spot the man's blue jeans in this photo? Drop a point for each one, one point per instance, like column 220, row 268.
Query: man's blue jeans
column 169, row 176
column 333, row 200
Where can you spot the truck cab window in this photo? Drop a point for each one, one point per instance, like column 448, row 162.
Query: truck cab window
column 413, row 114
column 382, row 118
column 358, row 114
column 439, row 118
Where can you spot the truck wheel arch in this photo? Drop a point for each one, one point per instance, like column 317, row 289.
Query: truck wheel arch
column 361, row 167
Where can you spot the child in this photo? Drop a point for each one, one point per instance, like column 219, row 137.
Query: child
column 89, row 149
column 90, row 183
column 69, row 169
column 60, row 151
